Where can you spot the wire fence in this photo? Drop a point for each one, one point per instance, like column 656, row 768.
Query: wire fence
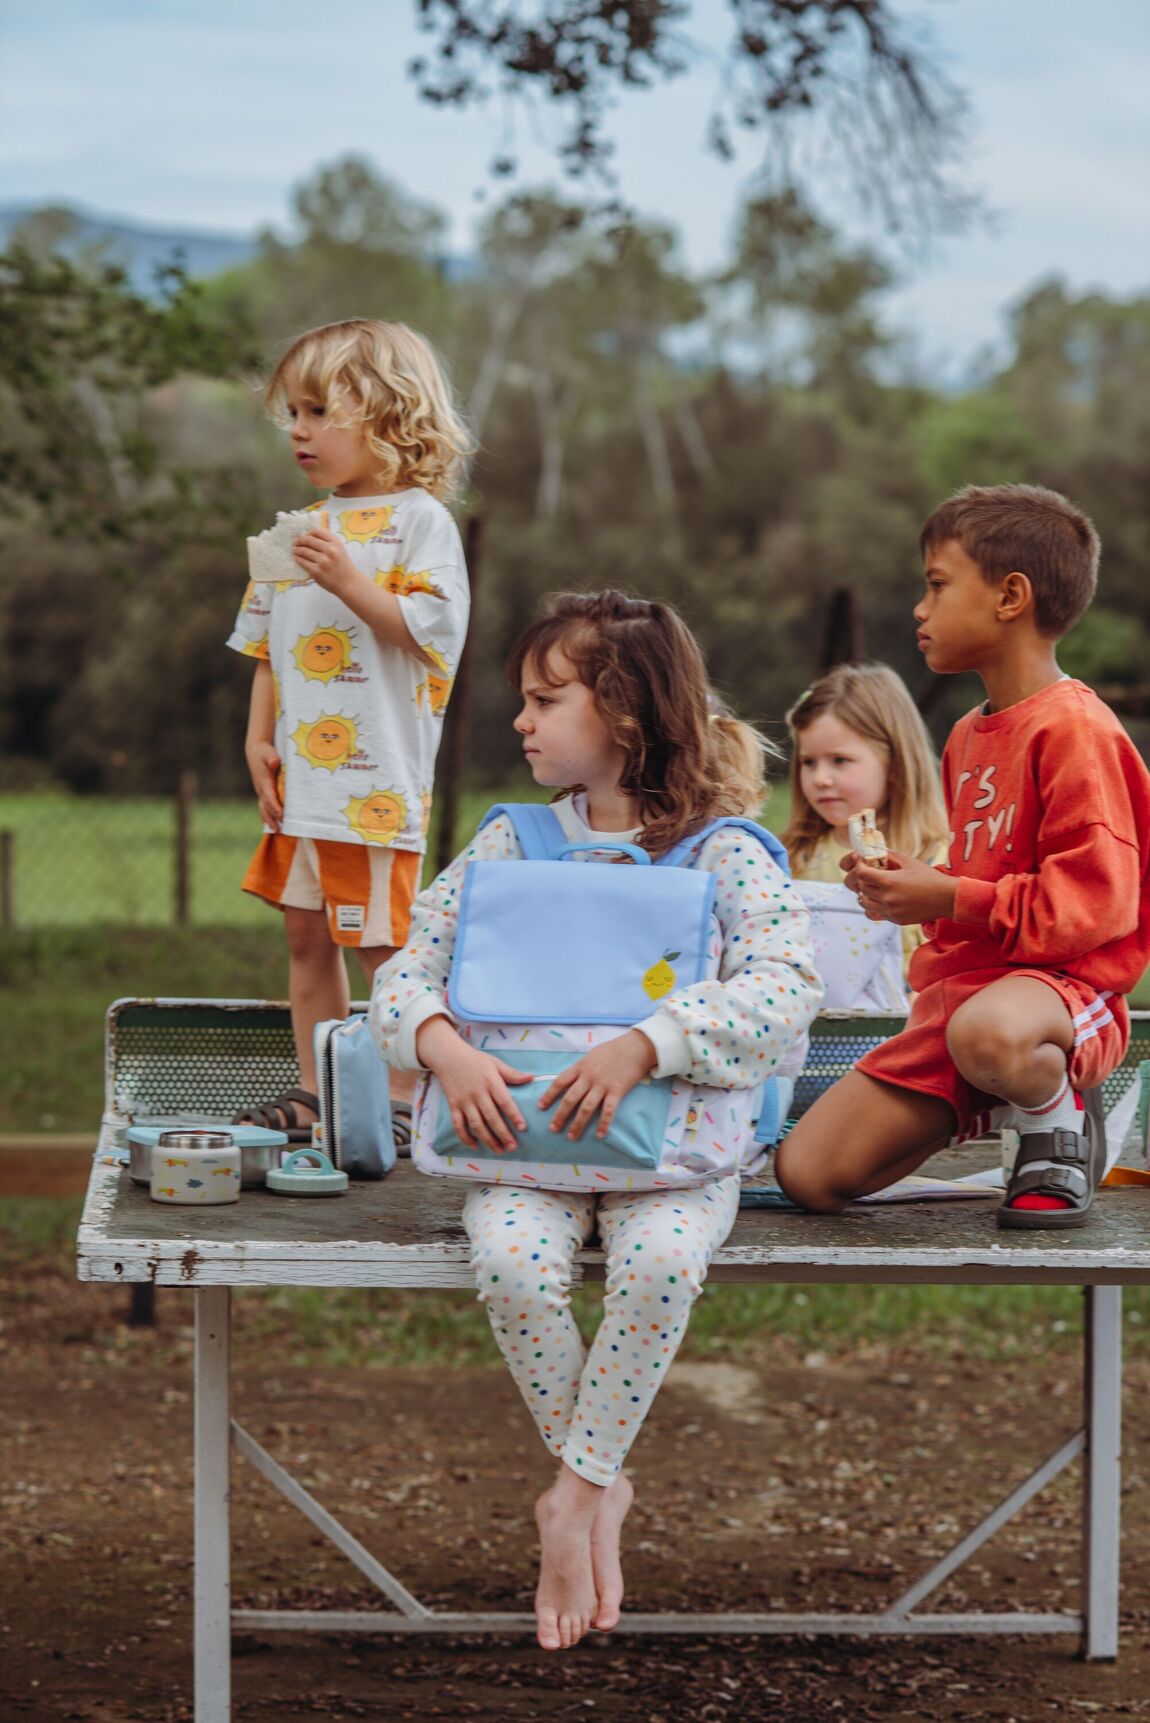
column 69, row 861
column 81, row 861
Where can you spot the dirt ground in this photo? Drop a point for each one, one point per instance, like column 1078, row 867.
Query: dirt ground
column 776, row 1482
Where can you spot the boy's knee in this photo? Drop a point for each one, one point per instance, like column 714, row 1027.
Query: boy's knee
column 987, row 1044
column 810, row 1181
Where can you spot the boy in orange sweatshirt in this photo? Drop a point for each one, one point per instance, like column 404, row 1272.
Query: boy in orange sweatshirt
column 1039, row 924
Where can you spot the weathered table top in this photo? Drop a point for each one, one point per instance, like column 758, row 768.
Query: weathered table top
column 405, row 1231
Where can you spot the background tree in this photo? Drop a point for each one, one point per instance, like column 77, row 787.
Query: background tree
column 743, row 445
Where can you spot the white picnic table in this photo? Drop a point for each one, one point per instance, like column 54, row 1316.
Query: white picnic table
column 404, row 1232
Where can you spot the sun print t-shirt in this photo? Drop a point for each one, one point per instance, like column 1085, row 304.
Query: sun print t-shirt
column 358, row 721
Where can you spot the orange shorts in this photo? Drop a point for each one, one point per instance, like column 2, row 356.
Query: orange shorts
column 367, row 891
column 919, row 1058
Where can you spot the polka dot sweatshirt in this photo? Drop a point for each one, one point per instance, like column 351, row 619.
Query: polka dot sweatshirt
column 731, row 1032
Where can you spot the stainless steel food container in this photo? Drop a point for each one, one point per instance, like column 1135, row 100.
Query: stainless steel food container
column 256, row 1159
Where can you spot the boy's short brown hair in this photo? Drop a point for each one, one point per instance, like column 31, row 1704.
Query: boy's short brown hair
column 1024, row 529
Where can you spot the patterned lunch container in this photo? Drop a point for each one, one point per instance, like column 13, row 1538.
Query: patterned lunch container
column 197, row 1167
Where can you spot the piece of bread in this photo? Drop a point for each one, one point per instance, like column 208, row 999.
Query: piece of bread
column 867, row 841
column 269, row 554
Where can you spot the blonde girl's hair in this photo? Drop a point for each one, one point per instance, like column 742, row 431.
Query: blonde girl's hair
column 873, row 700
column 389, row 380
column 687, row 759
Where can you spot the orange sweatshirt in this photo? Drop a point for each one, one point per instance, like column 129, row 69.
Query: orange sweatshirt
column 1049, row 805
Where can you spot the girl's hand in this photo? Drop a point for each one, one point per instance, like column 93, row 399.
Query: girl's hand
column 321, row 555
column 599, row 1080
column 475, row 1085
column 264, row 766
column 905, row 890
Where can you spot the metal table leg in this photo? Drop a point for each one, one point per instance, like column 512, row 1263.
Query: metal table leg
column 213, row 1647
column 1103, row 1473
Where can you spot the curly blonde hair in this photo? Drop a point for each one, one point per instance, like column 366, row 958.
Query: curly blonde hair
column 874, row 702
column 388, row 379
column 687, row 759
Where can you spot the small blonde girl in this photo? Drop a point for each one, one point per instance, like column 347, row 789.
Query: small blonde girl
column 616, row 718
column 353, row 664
column 858, row 741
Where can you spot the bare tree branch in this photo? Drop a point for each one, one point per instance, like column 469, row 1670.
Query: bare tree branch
column 849, row 79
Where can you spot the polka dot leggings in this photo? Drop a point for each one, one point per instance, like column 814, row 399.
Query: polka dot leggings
column 589, row 1404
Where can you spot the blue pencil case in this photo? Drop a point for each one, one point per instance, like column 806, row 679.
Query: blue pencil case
column 634, row 1140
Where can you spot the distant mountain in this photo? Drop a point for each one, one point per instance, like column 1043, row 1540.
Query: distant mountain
column 139, row 249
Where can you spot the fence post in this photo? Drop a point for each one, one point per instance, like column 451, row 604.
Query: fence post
column 185, row 801
column 7, row 859
column 455, row 732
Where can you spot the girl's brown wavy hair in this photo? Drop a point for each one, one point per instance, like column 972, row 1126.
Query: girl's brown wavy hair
column 389, row 380
column 874, row 702
column 687, row 759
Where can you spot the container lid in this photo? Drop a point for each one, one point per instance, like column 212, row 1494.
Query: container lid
column 243, row 1136
column 306, row 1173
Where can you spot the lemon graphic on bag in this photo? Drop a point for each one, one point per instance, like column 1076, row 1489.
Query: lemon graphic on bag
column 659, row 980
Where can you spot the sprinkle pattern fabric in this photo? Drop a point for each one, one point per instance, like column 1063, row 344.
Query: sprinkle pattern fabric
column 589, row 1403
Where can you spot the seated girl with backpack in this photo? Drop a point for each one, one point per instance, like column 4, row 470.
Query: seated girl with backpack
column 596, row 1040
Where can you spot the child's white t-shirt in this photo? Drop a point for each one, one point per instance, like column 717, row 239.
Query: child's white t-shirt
column 358, row 721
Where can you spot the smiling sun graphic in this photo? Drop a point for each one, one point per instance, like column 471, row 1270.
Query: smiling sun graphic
column 329, row 742
column 324, row 654
column 379, row 817
column 360, row 526
column 404, row 580
column 436, row 690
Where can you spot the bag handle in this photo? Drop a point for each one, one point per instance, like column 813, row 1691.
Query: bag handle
column 631, row 850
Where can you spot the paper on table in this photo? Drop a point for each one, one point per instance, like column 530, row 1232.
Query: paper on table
column 916, row 1189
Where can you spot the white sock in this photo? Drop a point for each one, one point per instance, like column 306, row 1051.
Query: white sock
column 1062, row 1112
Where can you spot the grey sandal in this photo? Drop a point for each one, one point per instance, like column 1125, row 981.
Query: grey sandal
column 1068, row 1165
column 401, row 1126
column 281, row 1114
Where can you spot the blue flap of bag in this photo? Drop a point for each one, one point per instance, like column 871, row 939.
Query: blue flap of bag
column 576, row 942
column 571, row 941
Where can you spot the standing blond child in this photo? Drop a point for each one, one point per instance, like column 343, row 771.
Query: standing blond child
column 354, row 664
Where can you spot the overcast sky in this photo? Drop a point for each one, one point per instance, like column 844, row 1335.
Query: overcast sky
column 203, row 115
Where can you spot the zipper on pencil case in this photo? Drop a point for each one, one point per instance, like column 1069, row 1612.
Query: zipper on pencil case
column 327, row 1110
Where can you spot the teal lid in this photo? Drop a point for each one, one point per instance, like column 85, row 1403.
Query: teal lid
column 306, row 1172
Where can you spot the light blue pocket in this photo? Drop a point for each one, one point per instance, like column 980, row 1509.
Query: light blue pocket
column 634, row 1140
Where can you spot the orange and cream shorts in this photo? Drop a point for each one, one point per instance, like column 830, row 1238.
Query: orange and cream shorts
column 918, row 1057
column 365, row 890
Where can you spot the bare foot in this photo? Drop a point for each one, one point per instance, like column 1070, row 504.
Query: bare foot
column 565, row 1596
column 605, row 1563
